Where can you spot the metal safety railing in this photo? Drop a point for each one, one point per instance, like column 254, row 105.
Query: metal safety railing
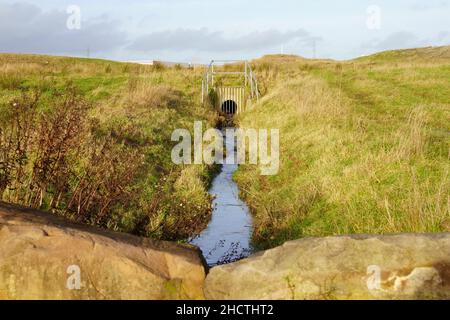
column 215, row 70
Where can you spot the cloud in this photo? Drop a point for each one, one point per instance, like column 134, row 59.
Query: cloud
column 216, row 41
column 26, row 28
column 429, row 6
column 396, row 40
column 404, row 40
column 443, row 37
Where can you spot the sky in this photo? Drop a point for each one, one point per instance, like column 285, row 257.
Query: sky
column 197, row 31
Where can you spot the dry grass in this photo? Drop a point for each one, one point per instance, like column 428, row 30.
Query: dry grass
column 364, row 149
column 413, row 138
column 147, row 95
column 116, row 170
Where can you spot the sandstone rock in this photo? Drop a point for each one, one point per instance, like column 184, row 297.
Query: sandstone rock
column 409, row 266
column 43, row 257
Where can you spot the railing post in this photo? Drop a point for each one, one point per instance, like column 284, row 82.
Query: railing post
column 246, row 75
column 257, row 91
column 240, row 95
column 251, row 83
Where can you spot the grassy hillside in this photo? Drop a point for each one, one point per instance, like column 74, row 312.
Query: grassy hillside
column 90, row 140
column 365, row 146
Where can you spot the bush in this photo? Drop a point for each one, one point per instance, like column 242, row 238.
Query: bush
column 158, row 66
column 98, row 150
column 51, row 160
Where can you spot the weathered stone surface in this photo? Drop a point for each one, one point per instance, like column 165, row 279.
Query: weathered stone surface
column 37, row 250
column 409, row 266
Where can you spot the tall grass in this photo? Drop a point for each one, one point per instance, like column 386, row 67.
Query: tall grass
column 51, row 160
column 365, row 148
column 90, row 140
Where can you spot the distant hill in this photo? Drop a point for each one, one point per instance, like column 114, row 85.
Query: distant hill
column 428, row 54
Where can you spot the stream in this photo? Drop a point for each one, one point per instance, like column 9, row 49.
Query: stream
column 228, row 235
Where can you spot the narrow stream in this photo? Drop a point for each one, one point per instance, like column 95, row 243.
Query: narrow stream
column 228, row 236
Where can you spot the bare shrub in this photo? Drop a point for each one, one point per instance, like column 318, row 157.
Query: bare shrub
column 51, row 159
column 16, row 136
column 58, row 134
column 106, row 181
column 158, row 66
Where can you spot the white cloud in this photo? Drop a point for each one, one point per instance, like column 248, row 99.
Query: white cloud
column 405, row 39
column 216, row 41
column 430, row 5
column 27, row 28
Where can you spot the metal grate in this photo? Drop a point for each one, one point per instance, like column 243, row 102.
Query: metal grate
column 230, row 99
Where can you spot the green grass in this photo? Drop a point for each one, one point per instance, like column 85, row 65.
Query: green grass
column 364, row 146
column 133, row 109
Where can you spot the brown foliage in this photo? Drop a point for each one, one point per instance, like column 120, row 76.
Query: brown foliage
column 16, row 135
column 51, row 159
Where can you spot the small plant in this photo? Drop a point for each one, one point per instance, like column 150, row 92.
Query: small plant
column 212, row 97
column 10, row 81
column 158, row 66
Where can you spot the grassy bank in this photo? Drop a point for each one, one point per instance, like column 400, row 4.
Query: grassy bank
column 364, row 146
column 90, row 140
